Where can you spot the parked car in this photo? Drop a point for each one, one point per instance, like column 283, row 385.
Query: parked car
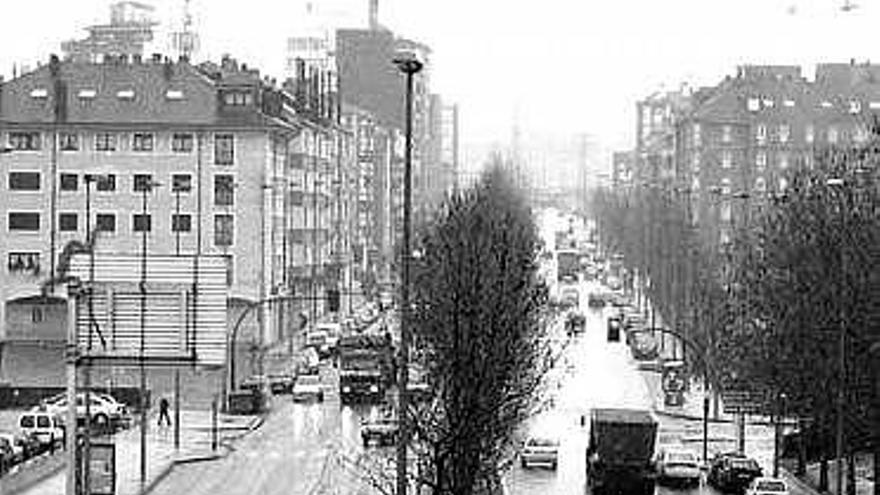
column 14, row 449
column 767, row 486
column 104, row 411
column 308, row 388
column 733, row 471
column 46, row 426
column 541, row 451
column 677, row 466
column 382, row 431
column 6, row 458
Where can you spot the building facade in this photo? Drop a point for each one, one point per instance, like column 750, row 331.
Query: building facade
column 246, row 170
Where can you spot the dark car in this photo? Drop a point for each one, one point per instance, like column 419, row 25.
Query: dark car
column 733, row 471
column 281, row 383
column 596, row 300
column 575, row 322
column 382, row 431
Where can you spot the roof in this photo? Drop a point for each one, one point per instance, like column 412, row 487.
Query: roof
column 136, row 93
column 628, row 416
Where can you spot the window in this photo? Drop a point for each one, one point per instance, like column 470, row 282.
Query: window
column 855, row 106
column 223, row 190
column 296, row 198
column 726, row 159
column 142, row 182
column 181, row 183
column 783, row 161
column 36, row 314
column 181, row 223
column 105, row 141
column 24, row 181
column 230, row 270
column 69, row 141
column 174, row 94
column 788, row 103
column 695, row 164
column 726, row 134
column 238, row 98
column 761, row 134
column 753, row 104
column 832, row 134
column 69, row 182
column 67, row 222
column 761, row 160
column 784, row 132
column 105, row 222
column 141, row 223
column 860, row 133
column 87, row 94
column 39, row 93
column 760, row 185
column 25, row 141
column 142, row 141
column 106, row 182
column 768, row 103
column 21, row 262
column 224, row 149
column 182, row 143
column 223, row 230
column 24, row 221
column 783, row 184
column 809, row 133
column 125, row 94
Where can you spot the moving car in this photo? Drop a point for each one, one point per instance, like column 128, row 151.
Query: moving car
column 570, row 297
column 596, row 300
column 281, row 382
column 105, row 411
column 382, row 431
column 540, row 450
column 620, row 451
column 767, row 486
column 732, row 471
column 307, row 388
column 677, row 466
column 575, row 322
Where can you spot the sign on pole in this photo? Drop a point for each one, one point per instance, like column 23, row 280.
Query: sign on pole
column 185, row 311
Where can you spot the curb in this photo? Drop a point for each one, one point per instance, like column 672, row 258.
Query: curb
column 59, row 466
column 801, row 484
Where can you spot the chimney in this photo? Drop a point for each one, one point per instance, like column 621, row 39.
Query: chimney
column 157, row 58
column 136, row 58
column 374, row 14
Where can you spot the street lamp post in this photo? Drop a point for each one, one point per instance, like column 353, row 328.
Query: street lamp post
column 409, row 65
column 146, row 188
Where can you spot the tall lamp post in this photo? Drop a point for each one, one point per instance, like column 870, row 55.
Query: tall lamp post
column 409, row 65
column 146, row 187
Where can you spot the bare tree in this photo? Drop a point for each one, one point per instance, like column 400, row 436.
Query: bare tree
column 479, row 316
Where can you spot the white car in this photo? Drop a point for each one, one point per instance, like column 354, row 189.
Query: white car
column 308, row 387
column 540, row 450
column 46, row 426
column 675, row 465
column 767, row 486
column 104, row 412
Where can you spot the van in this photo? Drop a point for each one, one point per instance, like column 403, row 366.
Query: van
column 47, row 427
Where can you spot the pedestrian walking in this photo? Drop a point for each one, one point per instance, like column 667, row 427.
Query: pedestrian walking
column 163, row 412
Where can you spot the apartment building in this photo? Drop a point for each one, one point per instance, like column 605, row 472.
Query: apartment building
column 245, row 169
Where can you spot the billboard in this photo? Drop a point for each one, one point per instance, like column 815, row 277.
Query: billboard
column 177, row 314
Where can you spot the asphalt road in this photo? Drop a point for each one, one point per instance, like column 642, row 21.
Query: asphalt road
column 596, row 373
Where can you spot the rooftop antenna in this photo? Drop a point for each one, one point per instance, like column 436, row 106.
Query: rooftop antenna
column 186, row 41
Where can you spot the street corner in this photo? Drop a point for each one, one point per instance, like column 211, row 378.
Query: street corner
column 798, row 486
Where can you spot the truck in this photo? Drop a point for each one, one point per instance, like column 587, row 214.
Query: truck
column 620, row 452
column 366, row 367
column 567, row 264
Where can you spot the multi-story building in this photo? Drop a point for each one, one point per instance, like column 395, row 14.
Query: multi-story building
column 242, row 165
column 621, row 170
column 739, row 144
column 129, row 31
column 657, row 117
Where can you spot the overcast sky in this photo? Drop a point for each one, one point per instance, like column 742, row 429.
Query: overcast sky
column 565, row 67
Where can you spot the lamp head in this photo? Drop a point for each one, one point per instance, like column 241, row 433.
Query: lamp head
column 407, row 61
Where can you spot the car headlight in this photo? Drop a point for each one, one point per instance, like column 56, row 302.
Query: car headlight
column 374, row 388
column 346, row 389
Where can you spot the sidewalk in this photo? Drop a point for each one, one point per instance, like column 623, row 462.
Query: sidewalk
column 195, row 445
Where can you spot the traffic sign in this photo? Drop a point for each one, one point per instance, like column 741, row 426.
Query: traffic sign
column 742, row 400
